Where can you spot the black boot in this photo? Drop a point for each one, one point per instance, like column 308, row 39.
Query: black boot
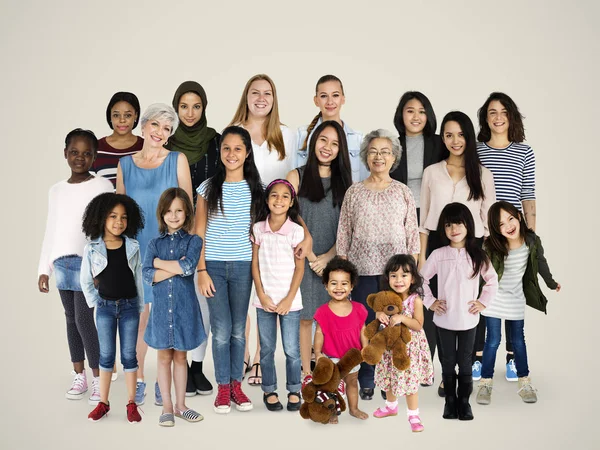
column 190, row 388
column 450, row 395
column 465, row 388
column 203, row 386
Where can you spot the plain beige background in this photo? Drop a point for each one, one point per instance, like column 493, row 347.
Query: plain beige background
column 62, row 62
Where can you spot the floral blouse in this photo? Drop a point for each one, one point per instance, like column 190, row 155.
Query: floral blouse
column 376, row 225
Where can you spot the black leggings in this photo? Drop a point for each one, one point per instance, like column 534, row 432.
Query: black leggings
column 81, row 329
column 456, row 347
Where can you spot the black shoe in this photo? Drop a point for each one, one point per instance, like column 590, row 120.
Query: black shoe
column 277, row 406
column 190, row 388
column 427, row 385
column 366, row 393
column 294, row 406
column 441, row 391
column 450, row 394
column 465, row 388
column 203, row 386
column 384, row 395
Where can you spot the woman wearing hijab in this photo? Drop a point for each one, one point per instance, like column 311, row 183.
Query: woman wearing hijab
column 200, row 143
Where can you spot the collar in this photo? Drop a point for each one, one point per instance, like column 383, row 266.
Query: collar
column 179, row 234
column 285, row 229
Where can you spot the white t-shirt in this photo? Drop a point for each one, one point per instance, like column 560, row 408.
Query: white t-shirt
column 267, row 160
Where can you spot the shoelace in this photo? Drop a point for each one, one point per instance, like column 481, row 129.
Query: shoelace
column 527, row 388
column 238, row 394
column 132, row 405
column 223, row 395
column 95, row 388
column 477, row 365
column 512, row 366
column 78, row 382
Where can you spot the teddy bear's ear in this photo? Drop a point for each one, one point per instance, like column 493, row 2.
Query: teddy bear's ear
column 323, row 371
column 371, row 300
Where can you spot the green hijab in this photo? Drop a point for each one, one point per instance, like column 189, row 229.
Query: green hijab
column 191, row 141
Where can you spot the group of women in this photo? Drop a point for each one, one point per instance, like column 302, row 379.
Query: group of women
column 365, row 198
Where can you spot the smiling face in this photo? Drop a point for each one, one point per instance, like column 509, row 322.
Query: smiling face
column 279, row 199
column 175, row 216
column 497, row 118
column 454, row 138
column 116, row 222
column 380, row 157
column 339, row 285
column 190, row 109
column 329, row 99
column 327, row 146
column 260, row 98
column 414, row 117
column 157, row 131
column 79, row 155
column 509, row 225
column 122, row 117
column 456, row 234
column 400, row 281
column 233, row 152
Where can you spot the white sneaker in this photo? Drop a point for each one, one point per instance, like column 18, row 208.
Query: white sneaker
column 78, row 388
column 114, row 376
column 95, row 397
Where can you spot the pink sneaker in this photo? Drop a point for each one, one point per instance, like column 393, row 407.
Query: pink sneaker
column 415, row 424
column 78, row 388
column 386, row 411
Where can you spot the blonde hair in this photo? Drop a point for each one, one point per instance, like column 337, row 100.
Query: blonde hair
column 272, row 126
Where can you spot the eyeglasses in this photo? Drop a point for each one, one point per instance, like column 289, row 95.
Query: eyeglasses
column 382, row 153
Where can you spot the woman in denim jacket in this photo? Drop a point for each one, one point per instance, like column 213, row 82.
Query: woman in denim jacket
column 111, row 221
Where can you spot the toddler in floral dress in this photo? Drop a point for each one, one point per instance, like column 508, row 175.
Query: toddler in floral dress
column 401, row 276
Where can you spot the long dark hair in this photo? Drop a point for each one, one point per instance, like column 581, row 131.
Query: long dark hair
column 408, row 264
column 471, row 158
column 457, row 213
column 294, row 211
column 496, row 242
column 214, row 190
column 311, row 186
column 97, row 211
column 516, row 130
column 431, row 124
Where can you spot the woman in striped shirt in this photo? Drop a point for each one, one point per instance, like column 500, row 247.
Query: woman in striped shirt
column 502, row 151
column 227, row 204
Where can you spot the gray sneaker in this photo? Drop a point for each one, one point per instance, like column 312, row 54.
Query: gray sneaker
column 526, row 390
column 484, row 391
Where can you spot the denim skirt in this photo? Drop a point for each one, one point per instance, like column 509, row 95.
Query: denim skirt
column 67, row 270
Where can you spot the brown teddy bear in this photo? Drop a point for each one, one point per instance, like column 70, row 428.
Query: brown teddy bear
column 321, row 397
column 382, row 337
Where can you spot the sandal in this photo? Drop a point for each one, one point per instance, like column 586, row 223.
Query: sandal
column 255, row 380
column 247, row 368
column 189, row 414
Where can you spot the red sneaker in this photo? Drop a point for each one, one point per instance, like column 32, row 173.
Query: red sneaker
column 99, row 412
column 342, row 388
column 133, row 416
column 241, row 400
column 222, row 403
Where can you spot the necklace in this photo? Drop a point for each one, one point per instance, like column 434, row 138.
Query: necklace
column 90, row 176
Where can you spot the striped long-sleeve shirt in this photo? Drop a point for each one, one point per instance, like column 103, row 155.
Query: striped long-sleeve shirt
column 513, row 168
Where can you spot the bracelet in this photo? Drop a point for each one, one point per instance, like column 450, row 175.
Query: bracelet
column 200, row 270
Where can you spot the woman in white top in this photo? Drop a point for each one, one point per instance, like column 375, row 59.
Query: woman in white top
column 273, row 145
column 329, row 98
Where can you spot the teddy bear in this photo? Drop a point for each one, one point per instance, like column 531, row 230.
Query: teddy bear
column 382, row 337
column 321, row 397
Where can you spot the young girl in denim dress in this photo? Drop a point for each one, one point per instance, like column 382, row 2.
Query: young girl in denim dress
column 175, row 323
column 111, row 279
column 62, row 250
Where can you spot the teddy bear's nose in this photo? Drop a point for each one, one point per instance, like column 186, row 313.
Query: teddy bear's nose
column 331, row 406
column 391, row 308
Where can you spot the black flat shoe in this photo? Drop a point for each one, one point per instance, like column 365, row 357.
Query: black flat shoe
column 277, row 406
column 294, row 406
column 366, row 393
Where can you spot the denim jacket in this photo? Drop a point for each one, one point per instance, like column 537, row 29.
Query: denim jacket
column 95, row 260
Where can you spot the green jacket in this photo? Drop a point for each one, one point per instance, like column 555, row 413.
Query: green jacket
column 536, row 264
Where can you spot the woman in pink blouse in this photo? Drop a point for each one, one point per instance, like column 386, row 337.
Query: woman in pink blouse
column 378, row 220
column 459, row 178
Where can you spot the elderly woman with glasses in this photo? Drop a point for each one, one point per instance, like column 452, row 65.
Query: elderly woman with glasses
column 378, row 220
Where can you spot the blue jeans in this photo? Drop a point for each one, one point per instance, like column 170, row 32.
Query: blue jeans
column 492, row 342
column 228, row 310
column 123, row 315
column 290, row 336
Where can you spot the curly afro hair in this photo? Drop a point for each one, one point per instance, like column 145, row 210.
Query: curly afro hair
column 342, row 265
column 100, row 207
